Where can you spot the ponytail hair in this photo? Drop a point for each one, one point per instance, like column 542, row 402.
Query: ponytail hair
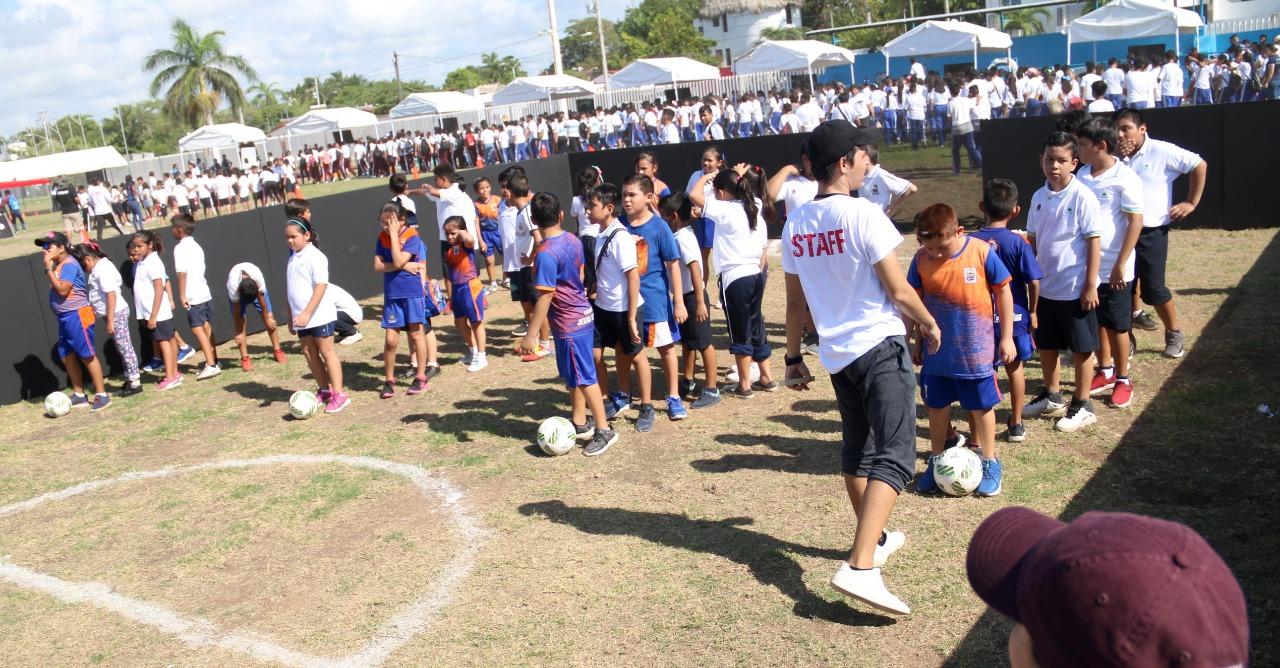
column 754, row 182
column 588, row 178
column 151, row 239
column 305, row 227
column 729, row 181
column 82, row 251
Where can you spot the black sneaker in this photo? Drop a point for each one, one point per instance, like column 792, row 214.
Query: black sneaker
column 433, row 370
column 688, row 389
column 1174, row 344
column 411, row 373
column 601, row 441
column 521, row 330
column 1017, row 432
column 735, row 391
column 1049, row 404
column 130, row 388
column 644, row 423
column 1144, row 322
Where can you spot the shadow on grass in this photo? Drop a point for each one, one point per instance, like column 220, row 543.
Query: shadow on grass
column 265, row 394
column 504, row 412
column 1200, row 454
column 765, row 556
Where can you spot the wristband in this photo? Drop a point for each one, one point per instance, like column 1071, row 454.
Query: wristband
column 792, row 361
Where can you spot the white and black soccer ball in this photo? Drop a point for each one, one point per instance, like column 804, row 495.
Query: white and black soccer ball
column 304, row 405
column 57, row 404
column 958, row 471
column 556, row 436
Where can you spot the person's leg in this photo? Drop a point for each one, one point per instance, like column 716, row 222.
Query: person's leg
column 124, row 343
column 1051, row 371
column 1106, row 340
column 71, row 362
column 315, row 362
column 478, row 336
column 1084, row 371
column 578, row 406
column 602, row 371
column 623, row 364
column 1118, row 343
column 939, row 427
column 975, row 150
column 594, row 400
column 169, row 353
column 1017, row 390
column 709, row 369
column 670, row 368
column 956, row 140
column 389, row 347
column 644, row 378
column 983, row 424
column 464, row 331
column 688, row 364
column 204, row 339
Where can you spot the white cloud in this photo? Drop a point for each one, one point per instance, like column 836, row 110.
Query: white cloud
column 85, row 56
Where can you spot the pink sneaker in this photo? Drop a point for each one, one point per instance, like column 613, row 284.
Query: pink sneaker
column 337, row 402
column 169, row 383
column 324, row 396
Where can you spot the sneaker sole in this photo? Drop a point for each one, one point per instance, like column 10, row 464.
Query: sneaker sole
column 1113, row 404
column 100, row 409
column 1088, row 421
column 1017, row 439
column 339, row 408
column 1101, row 390
column 995, row 493
column 677, row 418
column 867, row 601
column 1174, row 357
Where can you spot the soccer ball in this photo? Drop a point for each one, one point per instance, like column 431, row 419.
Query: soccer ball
column 556, row 436
column 303, row 405
column 57, row 404
column 957, row 471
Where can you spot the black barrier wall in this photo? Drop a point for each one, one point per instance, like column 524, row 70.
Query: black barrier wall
column 1233, row 138
column 347, row 224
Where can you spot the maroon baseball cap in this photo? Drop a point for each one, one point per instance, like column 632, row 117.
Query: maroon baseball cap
column 1110, row 589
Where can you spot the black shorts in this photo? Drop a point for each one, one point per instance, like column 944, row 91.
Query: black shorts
column 876, row 395
column 612, row 331
column 522, row 285
column 1063, row 325
column 1115, row 307
column 206, row 203
column 163, row 330
column 695, row 335
column 1151, row 255
column 742, row 301
column 199, row 314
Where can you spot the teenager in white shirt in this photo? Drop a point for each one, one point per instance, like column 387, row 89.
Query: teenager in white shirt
column 841, row 267
column 1172, row 88
column 193, row 291
column 962, row 113
column 1138, row 85
column 916, row 104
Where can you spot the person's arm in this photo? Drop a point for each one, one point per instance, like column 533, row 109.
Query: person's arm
column 774, row 187
column 1131, row 233
column 698, row 194
column 268, row 318
column 896, row 202
column 1033, row 299
column 1089, row 295
column 111, row 313
column 907, row 300
column 1004, row 308
column 1195, row 189
column 182, row 289
column 158, row 285
column 633, row 300
column 529, row 344
column 63, row 288
column 677, row 290
column 699, row 290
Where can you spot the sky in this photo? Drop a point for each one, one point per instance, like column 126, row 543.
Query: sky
column 85, row 56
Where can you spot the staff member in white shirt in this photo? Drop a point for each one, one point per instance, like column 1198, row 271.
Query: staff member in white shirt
column 840, row 264
column 1158, row 164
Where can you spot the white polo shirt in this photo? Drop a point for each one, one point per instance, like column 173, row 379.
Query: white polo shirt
column 1119, row 193
column 188, row 258
column 832, row 244
column 144, row 291
column 1114, row 78
column 507, row 221
column 619, row 257
column 797, row 191
column 343, row 302
column 1159, row 163
column 306, row 269
column 687, row 242
column 453, row 202
column 880, row 186
column 103, row 280
column 237, row 274
column 1171, row 80
column 736, row 249
column 1060, row 222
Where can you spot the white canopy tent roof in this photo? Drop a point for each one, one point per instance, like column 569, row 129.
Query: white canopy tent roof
column 793, row 54
column 220, row 135
column 933, row 38
column 548, row 87
column 1124, row 19
column 61, row 164
column 662, row 72
column 443, row 102
column 327, row 120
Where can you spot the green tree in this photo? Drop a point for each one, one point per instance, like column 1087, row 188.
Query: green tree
column 673, row 34
column 266, row 92
column 199, row 74
column 580, row 47
column 1024, row 21
column 464, row 78
column 790, row 32
column 494, row 69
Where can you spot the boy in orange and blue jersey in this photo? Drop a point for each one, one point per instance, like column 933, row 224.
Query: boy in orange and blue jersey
column 468, row 298
column 957, row 276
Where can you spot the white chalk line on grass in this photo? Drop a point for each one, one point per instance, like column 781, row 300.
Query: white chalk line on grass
column 393, row 634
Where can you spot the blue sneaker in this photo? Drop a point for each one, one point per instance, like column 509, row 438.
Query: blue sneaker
column 185, row 353
column 675, row 409
column 616, row 403
column 925, row 484
column 79, row 400
column 156, row 365
column 644, row 423
column 992, row 475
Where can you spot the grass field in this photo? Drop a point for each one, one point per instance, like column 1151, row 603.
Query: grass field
column 707, row 542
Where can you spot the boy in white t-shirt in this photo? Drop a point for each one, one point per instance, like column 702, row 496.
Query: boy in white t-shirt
column 1065, row 224
column 885, row 189
column 247, row 287
column 695, row 331
column 193, row 290
column 1120, row 196
column 617, row 296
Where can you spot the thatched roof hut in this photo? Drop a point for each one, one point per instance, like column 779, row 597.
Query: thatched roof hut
column 713, row 8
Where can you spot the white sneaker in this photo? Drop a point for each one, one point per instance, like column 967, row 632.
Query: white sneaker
column 466, row 358
column 351, row 340
column 208, row 372
column 732, row 376
column 1078, row 417
column 893, row 540
column 868, row 587
column 479, row 362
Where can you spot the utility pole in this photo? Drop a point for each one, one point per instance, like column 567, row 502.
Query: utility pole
column 44, row 120
column 84, row 138
column 604, row 56
column 555, row 37
column 316, row 82
column 123, row 136
column 395, row 60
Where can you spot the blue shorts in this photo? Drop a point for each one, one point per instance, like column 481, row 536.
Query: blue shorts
column 468, row 301
column 1022, row 342
column 400, row 313
column 244, row 306
column 321, row 331
column 492, row 240
column 974, row 394
column 575, row 361
column 704, row 231
column 199, row 314
column 75, row 333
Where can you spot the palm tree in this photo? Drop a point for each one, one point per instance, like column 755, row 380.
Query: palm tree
column 196, row 69
column 266, row 92
column 1026, row 21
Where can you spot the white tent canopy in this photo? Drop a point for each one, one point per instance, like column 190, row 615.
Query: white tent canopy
column 793, row 54
column 548, row 87
column 220, row 135
column 443, row 102
column 933, row 38
column 327, row 120
column 662, row 72
column 61, row 164
column 1124, row 19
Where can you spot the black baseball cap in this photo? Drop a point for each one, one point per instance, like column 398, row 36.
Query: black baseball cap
column 52, row 239
column 835, row 139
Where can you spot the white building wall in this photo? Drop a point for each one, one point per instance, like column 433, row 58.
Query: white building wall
column 743, row 30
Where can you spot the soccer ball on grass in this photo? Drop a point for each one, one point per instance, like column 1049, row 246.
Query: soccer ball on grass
column 958, row 471
column 556, row 436
column 303, row 405
column 57, row 405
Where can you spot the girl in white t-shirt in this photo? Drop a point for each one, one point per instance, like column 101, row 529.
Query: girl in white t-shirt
column 739, row 255
column 311, row 314
column 108, row 302
column 152, row 303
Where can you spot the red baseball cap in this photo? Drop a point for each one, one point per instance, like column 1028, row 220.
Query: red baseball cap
column 1110, row 589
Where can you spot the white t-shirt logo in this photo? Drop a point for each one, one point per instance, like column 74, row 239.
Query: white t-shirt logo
column 970, row 275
